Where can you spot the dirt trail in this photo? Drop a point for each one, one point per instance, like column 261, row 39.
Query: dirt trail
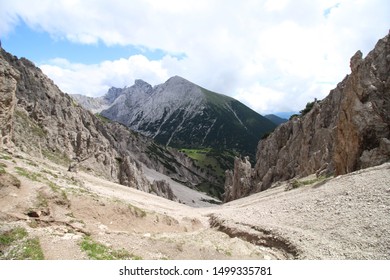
column 342, row 218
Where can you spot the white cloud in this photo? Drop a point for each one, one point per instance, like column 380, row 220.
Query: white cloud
column 96, row 79
column 273, row 55
column 275, row 5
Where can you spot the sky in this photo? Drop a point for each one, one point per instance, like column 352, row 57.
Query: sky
column 272, row 55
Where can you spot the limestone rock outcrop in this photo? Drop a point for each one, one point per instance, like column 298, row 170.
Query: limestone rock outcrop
column 346, row 131
column 162, row 188
column 8, row 80
column 238, row 182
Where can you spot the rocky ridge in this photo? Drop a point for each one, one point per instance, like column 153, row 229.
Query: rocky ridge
column 346, row 131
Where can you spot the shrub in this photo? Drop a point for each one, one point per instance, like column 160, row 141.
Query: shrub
column 14, row 245
column 98, row 251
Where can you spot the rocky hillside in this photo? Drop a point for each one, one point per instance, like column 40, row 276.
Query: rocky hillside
column 346, row 131
column 47, row 123
column 181, row 114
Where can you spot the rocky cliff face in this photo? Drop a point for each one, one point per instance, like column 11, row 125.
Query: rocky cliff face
column 8, row 80
column 238, row 182
column 348, row 130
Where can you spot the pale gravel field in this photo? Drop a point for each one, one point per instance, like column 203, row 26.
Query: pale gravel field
column 347, row 217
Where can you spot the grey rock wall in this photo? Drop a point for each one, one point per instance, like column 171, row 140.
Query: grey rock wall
column 8, row 81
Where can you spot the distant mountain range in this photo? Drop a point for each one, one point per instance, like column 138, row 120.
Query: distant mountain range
column 181, row 114
column 275, row 119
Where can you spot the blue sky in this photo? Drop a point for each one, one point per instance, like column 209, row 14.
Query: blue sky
column 40, row 47
column 272, row 55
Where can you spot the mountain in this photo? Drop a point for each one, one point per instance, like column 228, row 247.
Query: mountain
column 346, row 131
column 180, row 114
column 93, row 104
column 38, row 119
column 286, row 115
column 208, row 127
column 275, row 119
column 97, row 104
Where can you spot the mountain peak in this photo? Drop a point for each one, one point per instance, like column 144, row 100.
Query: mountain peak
column 112, row 94
column 140, row 82
column 139, row 87
column 175, row 80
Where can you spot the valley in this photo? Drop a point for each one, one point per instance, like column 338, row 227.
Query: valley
column 215, row 162
column 146, row 183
